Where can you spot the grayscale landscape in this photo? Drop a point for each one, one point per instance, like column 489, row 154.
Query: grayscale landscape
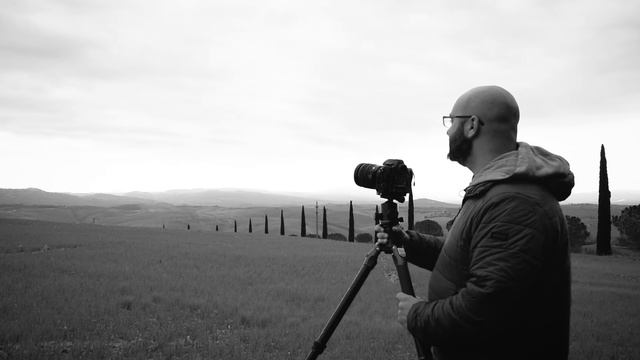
column 179, row 179
column 107, row 281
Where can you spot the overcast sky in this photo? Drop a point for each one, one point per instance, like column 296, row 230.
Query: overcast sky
column 289, row 96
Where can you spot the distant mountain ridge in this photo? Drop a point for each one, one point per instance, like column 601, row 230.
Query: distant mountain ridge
column 238, row 198
column 622, row 197
column 33, row 196
column 201, row 210
column 204, row 210
column 226, row 198
column 222, row 198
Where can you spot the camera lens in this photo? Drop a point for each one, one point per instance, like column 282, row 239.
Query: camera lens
column 365, row 175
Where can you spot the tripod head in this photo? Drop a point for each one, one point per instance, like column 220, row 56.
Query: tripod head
column 388, row 218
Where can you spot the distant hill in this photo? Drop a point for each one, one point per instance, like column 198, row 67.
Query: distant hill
column 200, row 209
column 223, row 198
column 227, row 198
column 32, row 196
column 433, row 203
column 204, row 209
column 244, row 198
column 623, row 197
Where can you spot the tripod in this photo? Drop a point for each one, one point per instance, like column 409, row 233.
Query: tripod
column 387, row 219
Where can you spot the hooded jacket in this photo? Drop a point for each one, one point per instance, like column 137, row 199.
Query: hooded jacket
column 500, row 286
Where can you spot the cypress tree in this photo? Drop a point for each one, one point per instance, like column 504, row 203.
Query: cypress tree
column 410, row 225
column 216, row 227
column 250, row 226
column 188, row 226
column 603, row 242
column 376, row 220
column 266, row 224
column 324, row 222
column 281, row 222
column 235, row 226
column 303, row 224
column 351, row 230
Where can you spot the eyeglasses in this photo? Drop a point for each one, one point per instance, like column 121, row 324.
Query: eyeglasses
column 447, row 120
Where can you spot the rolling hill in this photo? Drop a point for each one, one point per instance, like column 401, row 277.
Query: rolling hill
column 32, row 196
column 200, row 210
column 203, row 210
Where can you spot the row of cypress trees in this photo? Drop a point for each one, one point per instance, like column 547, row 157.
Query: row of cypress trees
column 303, row 223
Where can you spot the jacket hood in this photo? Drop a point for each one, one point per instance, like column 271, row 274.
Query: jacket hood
column 530, row 163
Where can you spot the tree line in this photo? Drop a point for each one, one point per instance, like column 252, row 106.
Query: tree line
column 425, row 226
column 351, row 237
column 628, row 222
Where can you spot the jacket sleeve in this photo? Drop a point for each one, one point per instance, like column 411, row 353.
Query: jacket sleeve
column 422, row 249
column 506, row 254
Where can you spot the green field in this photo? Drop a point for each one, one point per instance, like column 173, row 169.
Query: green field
column 90, row 291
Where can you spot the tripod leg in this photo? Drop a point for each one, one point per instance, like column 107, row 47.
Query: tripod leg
column 403, row 272
column 424, row 352
column 320, row 344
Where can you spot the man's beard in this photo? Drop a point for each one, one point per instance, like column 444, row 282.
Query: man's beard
column 459, row 147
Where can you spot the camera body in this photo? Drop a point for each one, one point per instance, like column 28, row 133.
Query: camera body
column 391, row 180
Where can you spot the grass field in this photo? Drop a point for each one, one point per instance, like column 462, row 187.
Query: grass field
column 88, row 291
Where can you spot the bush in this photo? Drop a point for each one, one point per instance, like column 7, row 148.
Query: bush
column 337, row 236
column 429, row 227
column 628, row 223
column 577, row 233
column 364, row 238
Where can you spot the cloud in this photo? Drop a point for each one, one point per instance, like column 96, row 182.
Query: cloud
column 27, row 46
column 311, row 84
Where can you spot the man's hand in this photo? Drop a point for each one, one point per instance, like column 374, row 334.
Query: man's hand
column 405, row 302
column 398, row 236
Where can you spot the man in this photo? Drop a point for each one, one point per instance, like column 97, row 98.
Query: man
column 500, row 281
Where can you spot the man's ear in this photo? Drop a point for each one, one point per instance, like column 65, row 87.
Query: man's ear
column 472, row 127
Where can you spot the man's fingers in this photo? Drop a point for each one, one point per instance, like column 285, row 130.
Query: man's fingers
column 381, row 237
column 397, row 235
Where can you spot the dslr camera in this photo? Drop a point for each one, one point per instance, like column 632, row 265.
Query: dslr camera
column 391, row 180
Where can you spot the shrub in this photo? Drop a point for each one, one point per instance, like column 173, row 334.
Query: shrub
column 628, row 223
column 577, row 233
column 364, row 238
column 429, row 227
column 337, row 236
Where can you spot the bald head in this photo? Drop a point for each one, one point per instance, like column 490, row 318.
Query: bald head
column 495, row 106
